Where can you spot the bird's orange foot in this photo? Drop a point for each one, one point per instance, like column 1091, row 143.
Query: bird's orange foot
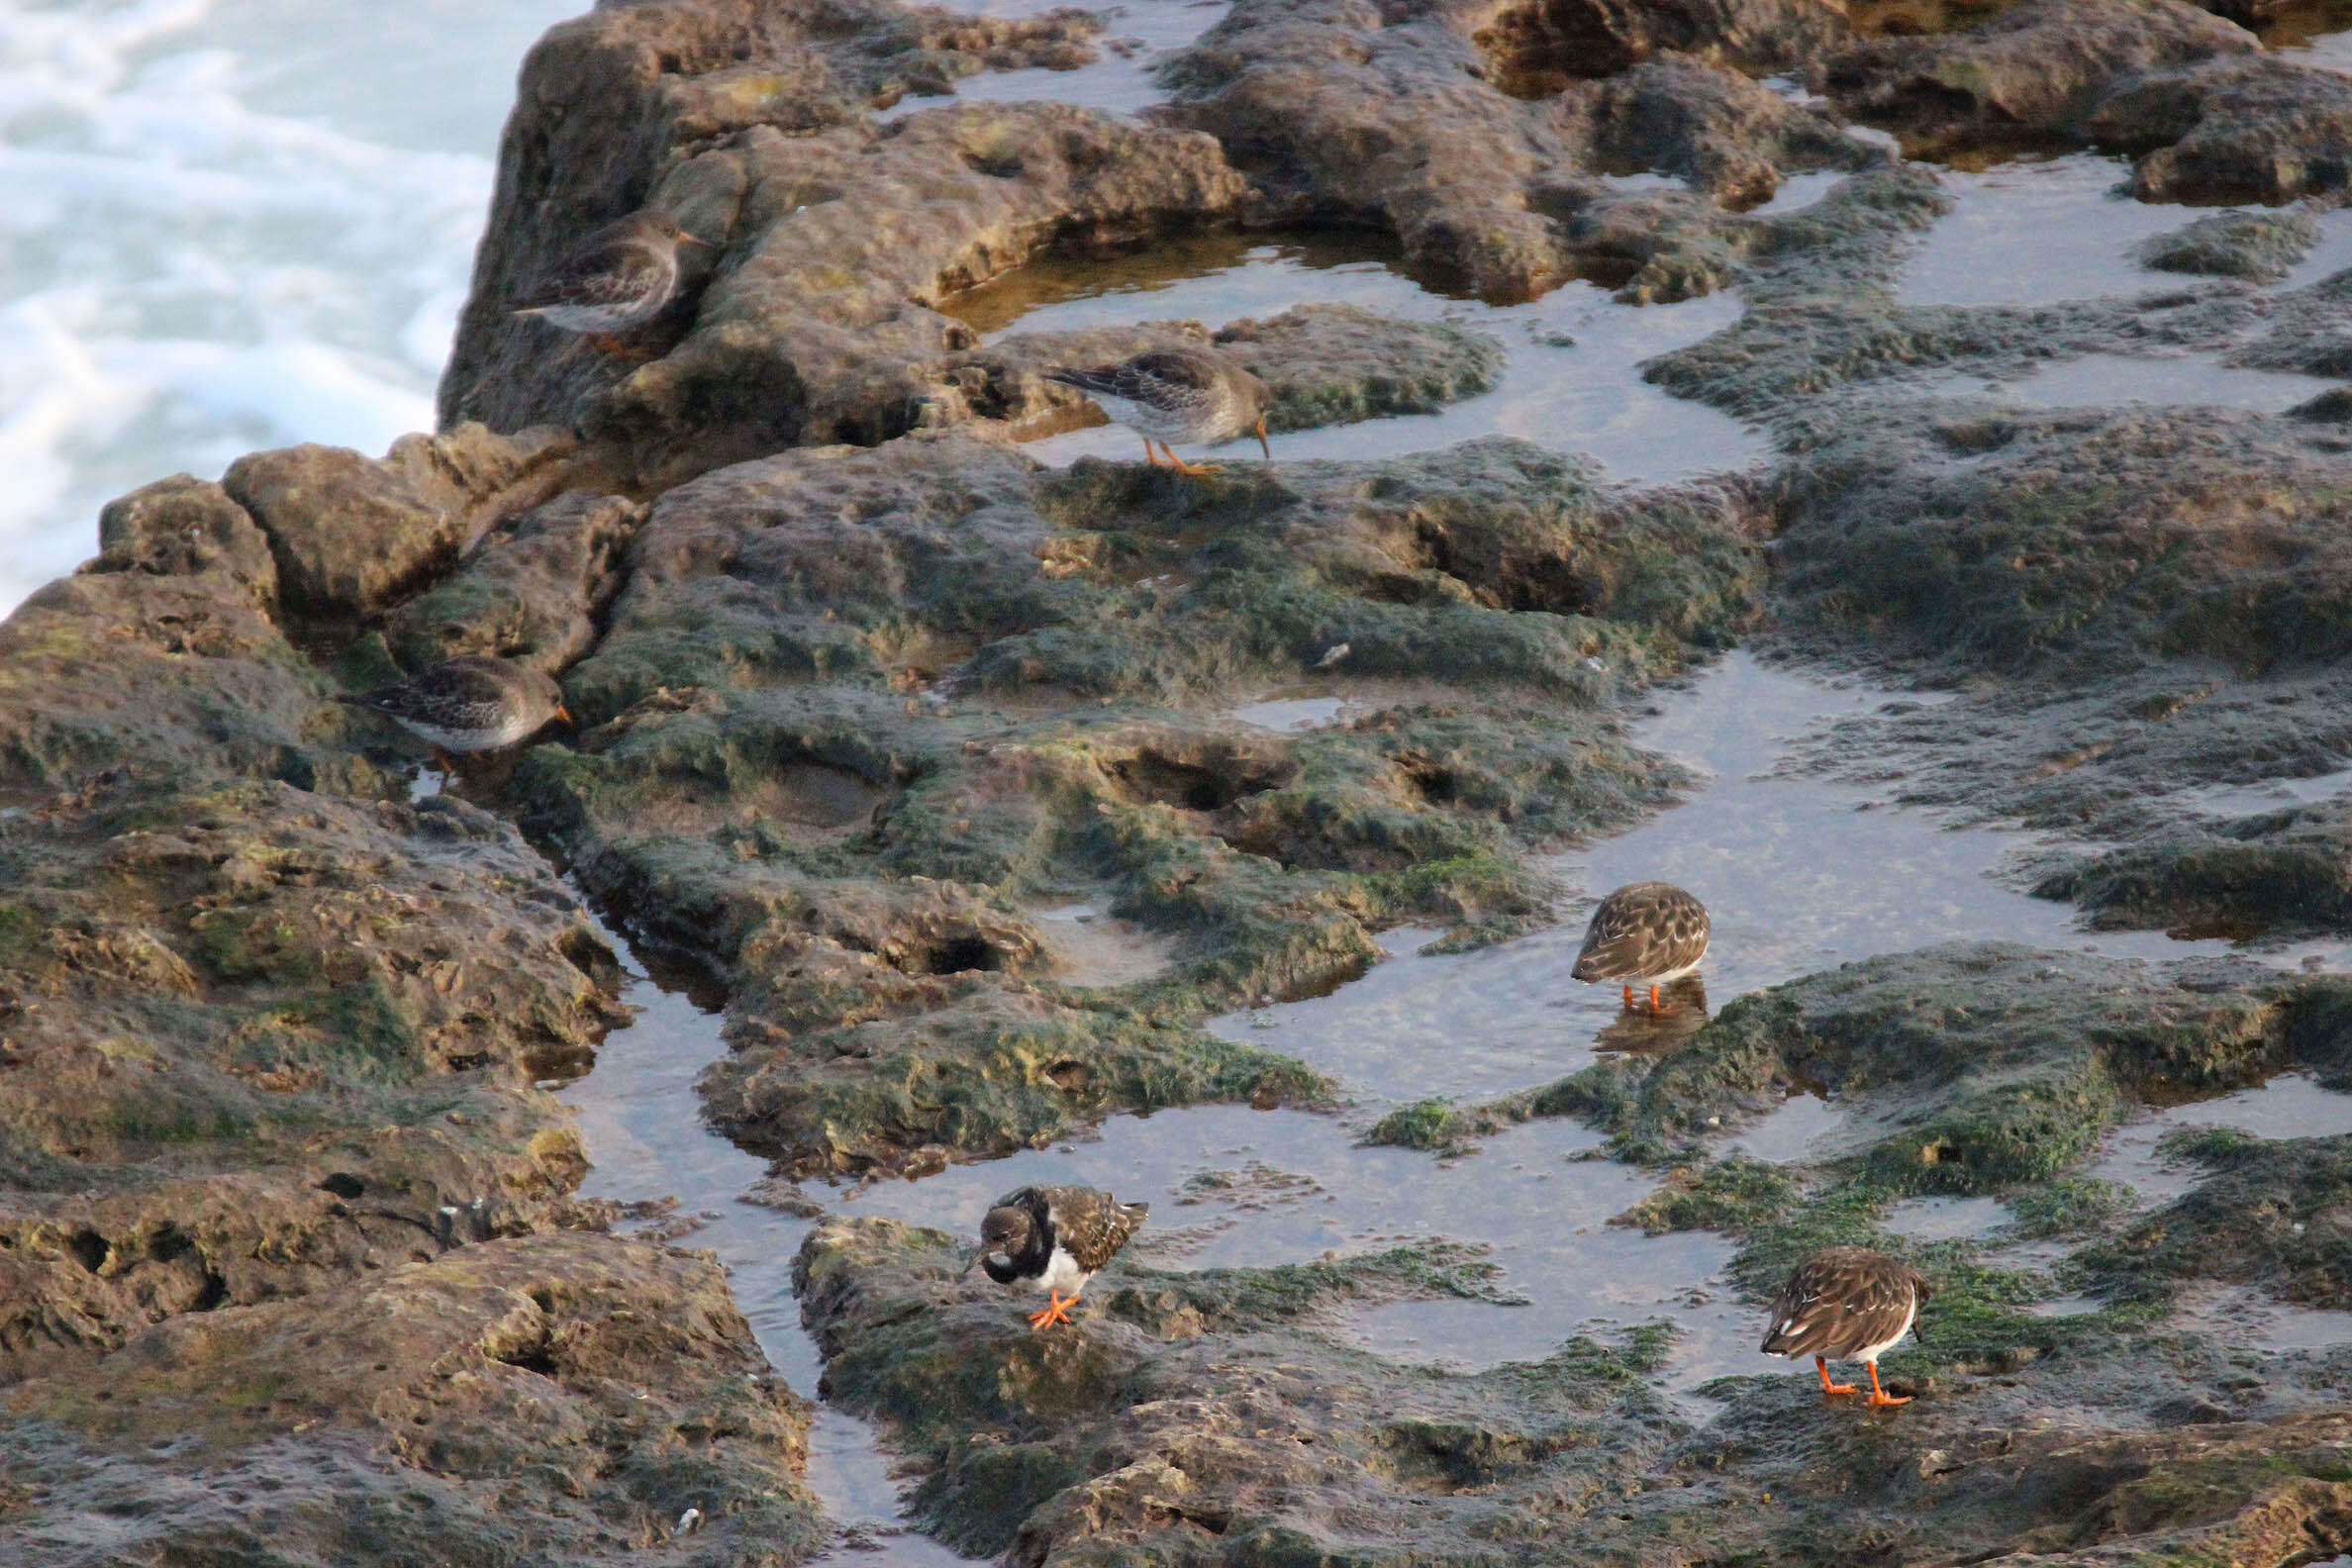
column 1192, row 468
column 1056, row 1311
column 1829, row 1387
column 606, row 344
column 1880, row 1396
column 1658, row 1009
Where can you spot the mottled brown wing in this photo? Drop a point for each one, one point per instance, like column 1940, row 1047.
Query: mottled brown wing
column 1161, row 378
column 614, row 268
column 1841, row 1301
column 1091, row 1225
column 1644, row 928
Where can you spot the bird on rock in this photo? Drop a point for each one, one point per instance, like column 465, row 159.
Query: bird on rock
column 475, row 703
column 1189, row 395
column 1056, row 1239
column 1847, row 1304
column 1643, row 933
column 622, row 277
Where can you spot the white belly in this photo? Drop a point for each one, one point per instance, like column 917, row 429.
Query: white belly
column 460, row 741
column 1871, row 1353
column 1062, row 1274
column 599, row 318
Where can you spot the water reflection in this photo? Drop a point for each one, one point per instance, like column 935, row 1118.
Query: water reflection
column 1571, row 380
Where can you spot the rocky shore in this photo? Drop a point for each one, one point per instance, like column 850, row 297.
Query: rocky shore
column 293, row 1265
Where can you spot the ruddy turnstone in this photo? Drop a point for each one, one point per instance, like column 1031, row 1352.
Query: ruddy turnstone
column 1847, row 1304
column 622, row 277
column 471, row 703
column 1187, row 395
column 1645, row 932
column 1056, row 1239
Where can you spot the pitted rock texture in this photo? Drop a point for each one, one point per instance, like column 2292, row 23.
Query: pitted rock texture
column 809, row 317
column 561, row 1398
column 353, row 536
column 1342, row 112
column 1217, row 1417
column 856, row 709
column 531, row 592
column 2036, row 69
column 257, row 1039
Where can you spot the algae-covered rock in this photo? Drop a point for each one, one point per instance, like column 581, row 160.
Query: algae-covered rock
column 1324, row 364
column 353, row 536
column 538, row 1399
column 789, row 778
column 2274, row 1213
column 2036, row 69
column 2261, row 246
column 2277, row 871
column 1202, row 1414
column 2088, row 539
column 255, row 1039
column 531, row 592
column 1967, row 1067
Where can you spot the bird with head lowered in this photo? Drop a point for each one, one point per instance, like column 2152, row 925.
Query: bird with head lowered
column 1054, row 1239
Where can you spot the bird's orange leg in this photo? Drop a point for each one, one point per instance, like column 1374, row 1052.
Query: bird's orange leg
column 446, row 764
column 606, row 342
column 1656, row 1006
column 1879, row 1395
column 1058, row 1310
column 1822, row 1365
column 1628, row 999
column 1183, row 467
column 1150, row 456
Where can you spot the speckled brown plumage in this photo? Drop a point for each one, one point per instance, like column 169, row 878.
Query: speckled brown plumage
column 1189, row 395
column 1055, row 1238
column 1645, row 932
column 1846, row 1303
column 622, row 277
column 476, row 703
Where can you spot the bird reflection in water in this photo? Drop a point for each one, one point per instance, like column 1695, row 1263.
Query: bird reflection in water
column 1638, row 1029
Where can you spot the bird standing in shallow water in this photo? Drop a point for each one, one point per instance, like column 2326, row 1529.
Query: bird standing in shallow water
column 1645, row 932
column 622, row 276
column 1847, row 1304
column 1056, row 1239
column 475, row 703
column 1188, row 395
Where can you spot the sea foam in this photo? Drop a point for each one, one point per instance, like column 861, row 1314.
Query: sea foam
column 228, row 223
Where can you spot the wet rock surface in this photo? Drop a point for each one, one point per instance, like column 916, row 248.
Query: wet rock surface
column 554, row 1396
column 294, row 1263
column 1409, row 120
column 860, row 705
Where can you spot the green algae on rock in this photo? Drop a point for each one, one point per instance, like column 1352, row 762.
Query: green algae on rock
column 2273, row 1213
column 2260, row 247
column 552, row 1397
column 763, row 793
column 1202, row 1414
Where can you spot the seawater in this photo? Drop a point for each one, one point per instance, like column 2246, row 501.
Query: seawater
column 228, row 225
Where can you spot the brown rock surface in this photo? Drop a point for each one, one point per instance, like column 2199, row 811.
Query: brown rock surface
column 548, row 1399
column 531, row 590
column 353, row 536
column 1401, row 117
column 2035, row 70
